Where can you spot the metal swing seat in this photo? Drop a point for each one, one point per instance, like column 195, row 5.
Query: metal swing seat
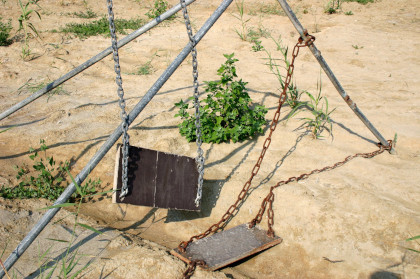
column 153, row 178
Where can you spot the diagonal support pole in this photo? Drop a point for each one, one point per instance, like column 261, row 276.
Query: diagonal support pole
column 93, row 60
column 46, row 218
column 331, row 75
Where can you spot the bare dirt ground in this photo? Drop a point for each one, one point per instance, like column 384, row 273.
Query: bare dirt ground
column 351, row 222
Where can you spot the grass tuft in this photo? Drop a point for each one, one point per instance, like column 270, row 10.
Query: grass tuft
column 101, row 27
column 34, row 87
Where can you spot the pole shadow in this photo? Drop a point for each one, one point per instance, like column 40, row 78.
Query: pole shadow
column 68, row 251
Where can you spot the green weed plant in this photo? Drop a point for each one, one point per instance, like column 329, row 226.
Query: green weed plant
column 5, row 29
column 317, row 105
column 277, row 66
column 243, row 32
column 34, row 87
column 45, row 178
column 227, row 113
column 145, row 69
column 101, row 27
column 159, row 7
column 26, row 25
column 333, row 7
column 320, row 113
column 257, row 46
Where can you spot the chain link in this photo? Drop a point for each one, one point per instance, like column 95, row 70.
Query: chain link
column 121, row 101
column 234, row 208
column 270, row 197
column 191, row 268
column 200, row 156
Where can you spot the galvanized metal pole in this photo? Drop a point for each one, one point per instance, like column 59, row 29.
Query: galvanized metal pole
column 331, row 75
column 93, row 60
column 46, row 218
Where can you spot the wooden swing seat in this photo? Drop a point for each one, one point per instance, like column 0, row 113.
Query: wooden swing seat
column 157, row 179
column 227, row 247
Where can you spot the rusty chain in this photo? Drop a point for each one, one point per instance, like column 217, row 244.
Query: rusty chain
column 270, row 197
column 191, row 268
column 234, row 207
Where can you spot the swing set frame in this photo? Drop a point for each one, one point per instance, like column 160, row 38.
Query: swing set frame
column 113, row 138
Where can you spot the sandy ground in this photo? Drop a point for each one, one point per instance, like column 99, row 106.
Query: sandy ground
column 347, row 223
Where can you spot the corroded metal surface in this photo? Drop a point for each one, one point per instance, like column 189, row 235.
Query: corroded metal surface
column 224, row 248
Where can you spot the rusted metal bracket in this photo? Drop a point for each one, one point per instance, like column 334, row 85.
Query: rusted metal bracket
column 304, row 35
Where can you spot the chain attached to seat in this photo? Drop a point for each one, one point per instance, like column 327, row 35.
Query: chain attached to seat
column 269, row 199
column 200, row 156
column 191, row 268
column 121, row 101
column 234, row 208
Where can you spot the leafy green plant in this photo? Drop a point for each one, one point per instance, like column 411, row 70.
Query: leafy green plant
column 257, row 46
column 101, row 27
column 26, row 25
column 243, row 32
column 227, row 113
column 357, row 47
column 333, row 6
column 5, row 29
column 46, row 179
column 160, row 6
column 348, row 13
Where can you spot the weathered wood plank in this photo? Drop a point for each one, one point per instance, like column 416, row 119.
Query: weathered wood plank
column 227, row 247
column 158, row 179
